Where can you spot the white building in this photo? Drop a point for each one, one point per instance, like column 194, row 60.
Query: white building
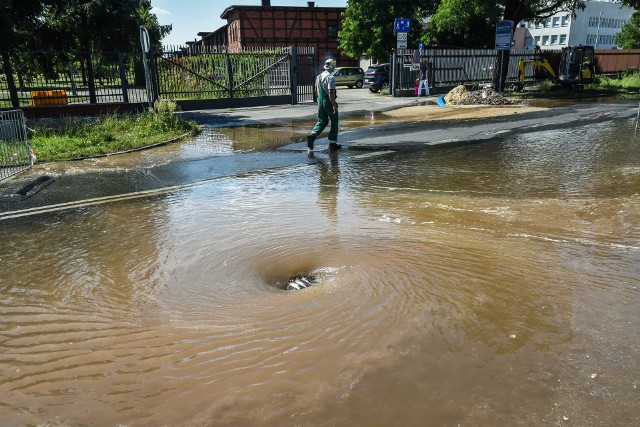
column 595, row 26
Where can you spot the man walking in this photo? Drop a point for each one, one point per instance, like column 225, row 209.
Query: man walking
column 325, row 89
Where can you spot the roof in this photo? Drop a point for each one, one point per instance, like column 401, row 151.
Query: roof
column 234, row 8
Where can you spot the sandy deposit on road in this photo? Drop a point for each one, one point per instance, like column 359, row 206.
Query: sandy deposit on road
column 464, row 104
column 457, row 112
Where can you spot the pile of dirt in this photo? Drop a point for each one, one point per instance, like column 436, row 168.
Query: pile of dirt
column 459, row 95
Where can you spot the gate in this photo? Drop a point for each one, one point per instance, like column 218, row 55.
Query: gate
column 305, row 73
column 15, row 153
column 208, row 73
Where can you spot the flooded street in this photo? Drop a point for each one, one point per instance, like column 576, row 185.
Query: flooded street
column 487, row 284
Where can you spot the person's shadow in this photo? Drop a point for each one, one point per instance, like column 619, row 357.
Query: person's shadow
column 329, row 183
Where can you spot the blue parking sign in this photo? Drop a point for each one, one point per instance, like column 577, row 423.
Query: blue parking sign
column 402, row 25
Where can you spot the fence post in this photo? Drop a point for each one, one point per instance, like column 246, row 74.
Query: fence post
column 155, row 78
column 123, row 78
column 392, row 70
column 13, row 92
column 91, row 76
column 293, row 73
column 229, row 72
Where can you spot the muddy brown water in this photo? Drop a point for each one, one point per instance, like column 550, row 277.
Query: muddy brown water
column 490, row 284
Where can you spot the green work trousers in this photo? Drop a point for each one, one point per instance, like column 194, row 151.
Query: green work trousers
column 325, row 113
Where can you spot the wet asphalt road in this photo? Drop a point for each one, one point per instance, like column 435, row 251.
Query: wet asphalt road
column 34, row 191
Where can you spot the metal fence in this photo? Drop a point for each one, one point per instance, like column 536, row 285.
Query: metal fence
column 207, row 72
column 46, row 78
column 15, row 153
column 451, row 67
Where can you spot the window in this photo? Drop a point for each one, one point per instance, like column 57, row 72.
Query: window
column 563, row 39
column 537, row 40
column 332, row 29
column 554, row 40
column 565, row 21
column 522, row 24
column 545, row 40
column 556, row 21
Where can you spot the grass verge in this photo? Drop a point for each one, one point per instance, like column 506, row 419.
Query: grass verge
column 73, row 137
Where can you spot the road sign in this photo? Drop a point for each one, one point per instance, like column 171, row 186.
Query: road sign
column 504, row 29
column 401, row 40
column 402, row 25
column 421, row 47
column 416, row 55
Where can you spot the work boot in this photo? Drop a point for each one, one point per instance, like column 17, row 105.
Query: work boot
column 334, row 146
column 310, row 138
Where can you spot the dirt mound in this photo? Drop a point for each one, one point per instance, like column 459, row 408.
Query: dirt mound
column 459, row 95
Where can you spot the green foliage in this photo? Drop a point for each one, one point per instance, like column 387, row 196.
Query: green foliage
column 367, row 27
column 628, row 80
column 464, row 24
column 71, row 138
column 107, row 25
column 629, row 35
column 18, row 20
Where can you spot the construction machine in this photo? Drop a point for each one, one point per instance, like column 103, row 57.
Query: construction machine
column 575, row 70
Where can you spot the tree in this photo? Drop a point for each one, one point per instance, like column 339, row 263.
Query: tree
column 102, row 25
column 367, row 27
column 18, row 19
column 629, row 35
column 463, row 23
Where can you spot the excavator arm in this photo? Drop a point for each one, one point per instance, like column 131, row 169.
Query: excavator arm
column 522, row 64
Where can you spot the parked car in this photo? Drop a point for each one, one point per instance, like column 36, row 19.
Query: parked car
column 349, row 76
column 377, row 77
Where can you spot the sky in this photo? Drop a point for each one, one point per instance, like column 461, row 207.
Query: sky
column 189, row 17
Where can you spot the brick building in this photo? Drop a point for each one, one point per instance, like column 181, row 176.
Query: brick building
column 278, row 26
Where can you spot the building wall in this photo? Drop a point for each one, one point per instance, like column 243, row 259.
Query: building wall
column 595, row 26
column 279, row 26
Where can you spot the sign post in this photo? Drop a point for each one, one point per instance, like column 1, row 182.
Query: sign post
column 401, row 41
column 504, row 29
column 146, row 46
column 401, row 27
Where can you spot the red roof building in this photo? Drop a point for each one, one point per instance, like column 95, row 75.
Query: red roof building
column 281, row 26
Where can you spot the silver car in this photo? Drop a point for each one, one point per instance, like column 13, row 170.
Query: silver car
column 349, row 76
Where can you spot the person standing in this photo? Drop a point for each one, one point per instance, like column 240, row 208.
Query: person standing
column 325, row 89
column 424, row 78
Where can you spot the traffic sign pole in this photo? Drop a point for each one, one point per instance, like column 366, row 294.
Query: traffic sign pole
column 504, row 29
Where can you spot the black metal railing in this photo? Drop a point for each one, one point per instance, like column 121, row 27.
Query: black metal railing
column 45, row 78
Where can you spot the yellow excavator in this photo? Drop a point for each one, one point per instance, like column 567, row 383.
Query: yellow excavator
column 576, row 68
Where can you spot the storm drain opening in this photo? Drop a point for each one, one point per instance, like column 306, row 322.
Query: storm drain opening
column 300, row 282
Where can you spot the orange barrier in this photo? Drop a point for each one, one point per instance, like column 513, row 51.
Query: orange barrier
column 48, row 97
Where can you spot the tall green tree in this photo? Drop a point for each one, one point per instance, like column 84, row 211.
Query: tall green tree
column 463, row 23
column 103, row 25
column 18, row 21
column 629, row 35
column 367, row 25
